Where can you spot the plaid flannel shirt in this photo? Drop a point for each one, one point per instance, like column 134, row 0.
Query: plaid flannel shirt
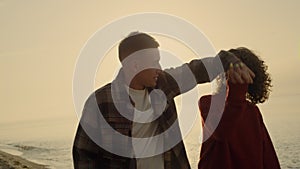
column 92, row 131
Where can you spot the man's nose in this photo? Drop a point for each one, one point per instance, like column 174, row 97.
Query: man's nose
column 159, row 71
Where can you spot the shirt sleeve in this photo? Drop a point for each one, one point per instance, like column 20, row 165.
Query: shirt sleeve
column 185, row 77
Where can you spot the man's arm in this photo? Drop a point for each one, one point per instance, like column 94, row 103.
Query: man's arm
column 225, row 61
column 205, row 70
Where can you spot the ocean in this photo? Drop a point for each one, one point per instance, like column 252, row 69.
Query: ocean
column 49, row 142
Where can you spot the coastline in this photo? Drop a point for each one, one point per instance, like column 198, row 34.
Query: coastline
column 9, row 161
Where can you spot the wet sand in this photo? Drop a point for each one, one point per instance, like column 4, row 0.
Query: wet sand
column 8, row 161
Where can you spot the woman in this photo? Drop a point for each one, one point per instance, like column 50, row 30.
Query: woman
column 240, row 140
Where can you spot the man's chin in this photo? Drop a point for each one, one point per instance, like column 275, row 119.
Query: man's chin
column 152, row 85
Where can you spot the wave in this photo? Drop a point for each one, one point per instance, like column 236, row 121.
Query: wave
column 30, row 148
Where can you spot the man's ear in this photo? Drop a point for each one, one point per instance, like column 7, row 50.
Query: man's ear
column 135, row 66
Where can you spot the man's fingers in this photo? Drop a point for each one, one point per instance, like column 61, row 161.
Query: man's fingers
column 234, row 75
column 251, row 73
column 248, row 75
column 240, row 73
column 238, row 77
column 229, row 74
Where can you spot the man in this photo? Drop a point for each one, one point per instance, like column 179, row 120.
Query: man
column 131, row 123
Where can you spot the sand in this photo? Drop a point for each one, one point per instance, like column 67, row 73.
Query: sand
column 8, row 161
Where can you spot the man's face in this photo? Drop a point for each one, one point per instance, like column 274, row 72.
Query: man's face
column 148, row 77
column 146, row 68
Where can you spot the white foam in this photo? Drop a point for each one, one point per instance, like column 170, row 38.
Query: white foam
column 12, row 151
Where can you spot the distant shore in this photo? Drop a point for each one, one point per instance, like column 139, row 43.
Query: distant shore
column 8, row 161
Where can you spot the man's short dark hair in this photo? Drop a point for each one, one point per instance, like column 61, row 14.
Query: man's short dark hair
column 136, row 41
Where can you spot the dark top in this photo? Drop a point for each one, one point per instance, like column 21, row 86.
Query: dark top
column 240, row 140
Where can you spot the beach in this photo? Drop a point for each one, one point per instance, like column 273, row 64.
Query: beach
column 9, row 161
column 49, row 142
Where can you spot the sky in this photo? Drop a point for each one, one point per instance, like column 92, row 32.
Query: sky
column 40, row 42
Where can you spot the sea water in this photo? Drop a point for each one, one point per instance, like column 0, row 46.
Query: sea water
column 47, row 142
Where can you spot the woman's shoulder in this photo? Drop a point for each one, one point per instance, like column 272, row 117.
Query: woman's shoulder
column 207, row 98
column 205, row 102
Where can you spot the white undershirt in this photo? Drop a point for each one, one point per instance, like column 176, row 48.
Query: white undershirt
column 144, row 112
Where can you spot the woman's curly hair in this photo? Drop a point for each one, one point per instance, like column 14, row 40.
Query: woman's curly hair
column 259, row 90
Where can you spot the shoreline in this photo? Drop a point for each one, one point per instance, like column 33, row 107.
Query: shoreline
column 9, row 161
